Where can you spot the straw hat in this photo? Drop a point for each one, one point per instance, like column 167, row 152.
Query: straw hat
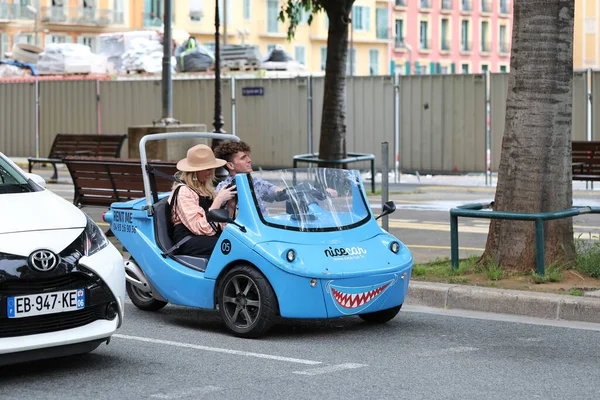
column 199, row 158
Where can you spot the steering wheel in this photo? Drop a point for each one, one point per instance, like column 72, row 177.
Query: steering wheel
column 304, row 189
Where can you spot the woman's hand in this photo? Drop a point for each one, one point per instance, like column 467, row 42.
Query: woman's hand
column 223, row 196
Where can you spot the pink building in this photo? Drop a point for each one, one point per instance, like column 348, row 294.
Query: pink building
column 450, row 36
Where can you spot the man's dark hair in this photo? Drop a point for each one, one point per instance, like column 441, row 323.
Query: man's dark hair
column 227, row 149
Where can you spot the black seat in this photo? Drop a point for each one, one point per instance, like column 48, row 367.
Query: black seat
column 164, row 241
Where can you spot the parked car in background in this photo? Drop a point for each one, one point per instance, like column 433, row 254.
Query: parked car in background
column 62, row 283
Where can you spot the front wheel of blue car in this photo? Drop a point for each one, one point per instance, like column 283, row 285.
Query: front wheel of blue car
column 247, row 302
column 381, row 317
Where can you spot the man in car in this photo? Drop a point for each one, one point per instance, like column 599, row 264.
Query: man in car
column 237, row 155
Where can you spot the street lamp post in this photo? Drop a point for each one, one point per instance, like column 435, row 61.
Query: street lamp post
column 167, row 82
column 34, row 11
column 218, row 118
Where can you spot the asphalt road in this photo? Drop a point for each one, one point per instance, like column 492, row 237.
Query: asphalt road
column 180, row 353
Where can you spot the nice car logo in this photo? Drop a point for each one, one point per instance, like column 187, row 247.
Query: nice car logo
column 347, row 252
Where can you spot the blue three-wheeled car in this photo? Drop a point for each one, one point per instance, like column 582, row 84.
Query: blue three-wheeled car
column 301, row 253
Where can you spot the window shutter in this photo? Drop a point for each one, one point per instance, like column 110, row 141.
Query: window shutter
column 432, row 68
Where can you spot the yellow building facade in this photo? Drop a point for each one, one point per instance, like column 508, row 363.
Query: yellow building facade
column 255, row 22
column 586, row 40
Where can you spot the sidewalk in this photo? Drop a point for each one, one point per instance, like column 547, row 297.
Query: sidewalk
column 455, row 188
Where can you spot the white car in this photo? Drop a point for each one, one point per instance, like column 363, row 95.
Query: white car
column 62, row 283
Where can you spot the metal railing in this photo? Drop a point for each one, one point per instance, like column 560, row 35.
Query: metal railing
column 399, row 42
column 475, row 211
column 446, row 5
column 504, row 7
column 14, row 11
column 80, row 15
column 503, row 48
column 400, row 3
column 486, row 6
column 152, row 19
column 425, row 44
column 466, row 46
column 425, row 3
column 466, row 5
column 486, row 47
column 445, row 45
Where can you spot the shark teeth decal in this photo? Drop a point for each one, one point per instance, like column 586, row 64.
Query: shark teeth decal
column 356, row 300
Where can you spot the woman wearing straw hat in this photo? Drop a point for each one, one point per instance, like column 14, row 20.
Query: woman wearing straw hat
column 194, row 197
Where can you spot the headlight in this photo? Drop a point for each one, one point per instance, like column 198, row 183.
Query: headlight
column 94, row 239
column 290, row 255
column 395, row 247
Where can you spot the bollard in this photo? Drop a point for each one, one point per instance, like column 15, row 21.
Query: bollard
column 384, row 182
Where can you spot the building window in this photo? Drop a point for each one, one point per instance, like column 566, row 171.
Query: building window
column 381, row 21
column 300, row 54
column 503, row 6
column 464, row 36
column 464, row 68
column 445, row 43
column 247, row 8
column 446, row 5
column 485, row 44
column 351, row 56
column 361, row 18
column 400, row 3
column 399, row 34
column 222, row 9
column 502, row 39
column 196, row 10
column 272, row 13
column 465, row 5
column 484, row 68
column 89, row 41
column 4, row 46
column 270, row 47
column 373, row 62
column 118, row 16
column 423, row 39
column 503, row 68
column 323, row 58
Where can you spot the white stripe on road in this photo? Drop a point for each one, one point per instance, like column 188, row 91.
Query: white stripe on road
column 329, row 369
column 217, row 349
column 188, row 393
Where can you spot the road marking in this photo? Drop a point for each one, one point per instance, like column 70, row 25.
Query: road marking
column 217, row 349
column 329, row 369
column 427, row 246
column 450, row 350
column 188, row 393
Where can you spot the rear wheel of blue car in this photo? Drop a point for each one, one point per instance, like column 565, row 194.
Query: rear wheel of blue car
column 381, row 317
column 143, row 300
column 247, row 302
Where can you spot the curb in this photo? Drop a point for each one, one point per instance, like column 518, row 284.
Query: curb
column 504, row 301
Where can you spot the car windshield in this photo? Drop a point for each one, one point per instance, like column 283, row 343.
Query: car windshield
column 12, row 181
column 310, row 199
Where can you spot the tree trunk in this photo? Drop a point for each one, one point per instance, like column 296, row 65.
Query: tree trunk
column 333, row 123
column 535, row 164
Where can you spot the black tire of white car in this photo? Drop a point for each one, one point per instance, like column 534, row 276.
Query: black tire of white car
column 381, row 317
column 143, row 301
column 244, row 294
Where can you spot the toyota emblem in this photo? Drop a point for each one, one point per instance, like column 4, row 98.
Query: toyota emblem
column 43, row 260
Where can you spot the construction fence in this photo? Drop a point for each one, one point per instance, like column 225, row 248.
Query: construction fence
column 433, row 123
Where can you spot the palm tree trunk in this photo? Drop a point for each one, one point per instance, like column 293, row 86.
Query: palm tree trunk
column 535, row 164
column 333, row 124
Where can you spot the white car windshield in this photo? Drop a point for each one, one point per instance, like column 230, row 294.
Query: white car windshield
column 311, row 199
column 12, row 181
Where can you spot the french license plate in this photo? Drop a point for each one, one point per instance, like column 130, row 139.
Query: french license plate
column 46, row 303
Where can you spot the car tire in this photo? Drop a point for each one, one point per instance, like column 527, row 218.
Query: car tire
column 143, row 301
column 247, row 302
column 381, row 317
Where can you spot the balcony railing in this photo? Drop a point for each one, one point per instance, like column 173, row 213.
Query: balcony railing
column 151, row 19
column 466, row 5
column 445, row 45
column 503, row 48
column 486, row 47
column 446, row 5
column 14, row 11
column 399, row 42
column 466, row 46
column 504, row 7
column 425, row 44
column 80, row 16
column 425, row 3
column 400, row 3
column 486, row 6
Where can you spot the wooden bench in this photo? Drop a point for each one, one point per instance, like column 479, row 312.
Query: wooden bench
column 586, row 161
column 92, row 145
column 101, row 181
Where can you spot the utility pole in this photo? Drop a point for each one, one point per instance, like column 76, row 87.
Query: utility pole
column 167, row 82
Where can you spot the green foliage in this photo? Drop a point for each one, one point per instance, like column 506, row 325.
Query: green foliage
column 554, row 273
column 576, row 292
column 294, row 10
column 587, row 258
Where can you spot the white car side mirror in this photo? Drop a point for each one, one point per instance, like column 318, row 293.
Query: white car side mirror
column 37, row 179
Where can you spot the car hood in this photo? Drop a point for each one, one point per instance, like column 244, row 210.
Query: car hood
column 38, row 211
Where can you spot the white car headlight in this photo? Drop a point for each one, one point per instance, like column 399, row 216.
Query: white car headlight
column 94, row 239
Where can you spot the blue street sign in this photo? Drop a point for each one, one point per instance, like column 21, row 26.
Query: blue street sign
column 253, row 91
